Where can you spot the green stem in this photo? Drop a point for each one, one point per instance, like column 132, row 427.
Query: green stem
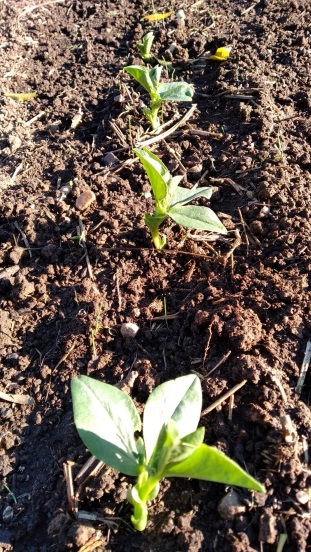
column 152, row 113
column 153, row 222
column 158, row 241
column 145, row 489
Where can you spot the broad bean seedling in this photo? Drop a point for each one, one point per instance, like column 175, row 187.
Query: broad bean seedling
column 171, row 201
column 149, row 79
column 171, row 446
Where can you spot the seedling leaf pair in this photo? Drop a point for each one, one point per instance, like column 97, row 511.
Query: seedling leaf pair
column 149, row 79
column 172, row 446
column 171, row 201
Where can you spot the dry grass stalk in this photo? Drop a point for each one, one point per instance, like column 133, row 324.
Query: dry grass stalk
column 304, row 369
column 223, row 398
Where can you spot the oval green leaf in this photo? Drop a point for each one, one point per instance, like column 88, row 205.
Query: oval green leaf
column 141, row 75
column 106, row 420
column 198, row 218
column 184, row 195
column 179, row 400
column 158, row 174
column 175, row 92
column 210, row 464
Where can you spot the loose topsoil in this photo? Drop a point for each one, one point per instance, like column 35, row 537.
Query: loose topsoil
column 231, row 308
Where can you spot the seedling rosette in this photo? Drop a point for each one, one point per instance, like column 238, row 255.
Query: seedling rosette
column 149, row 79
column 171, row 201
column 171, row 446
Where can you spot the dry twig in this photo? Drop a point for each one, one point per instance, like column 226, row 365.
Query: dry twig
column 82, row 233
column 25, row 240
column 72, row 503
column 221, row 361
column 18, row 399
column 236, row 243
column 223, row 398
column 304, row 369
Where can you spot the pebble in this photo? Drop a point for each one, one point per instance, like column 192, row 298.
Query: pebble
column 85, row 199
column 180, row 14
column 302, row 497
column 110, row 159
column 230, row 506
column 129, row 329
column 7, row 513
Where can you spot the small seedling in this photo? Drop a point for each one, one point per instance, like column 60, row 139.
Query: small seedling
column 171, row 201
column 171, row 446
column 149, row 79
column 144, row 47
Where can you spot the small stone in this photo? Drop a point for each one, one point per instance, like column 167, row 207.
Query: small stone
column 180, row 14
column 7, row 513
column 302, row 497
column 195, row 169
column 119, row 98
column 110, row 159
column 15, row 142
column 230, row 506
column 129, row 329
column 85, row 199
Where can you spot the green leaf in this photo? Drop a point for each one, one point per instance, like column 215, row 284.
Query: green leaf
column 210, row 464
column 155, row 75
column 184, row 195
column 199, row 218
column 144, row 47
column 179, row 399
column 106, row 420
column 180, row 450
column 157, row 172
column 141, row 75
column 173, row 184
column 175, row 92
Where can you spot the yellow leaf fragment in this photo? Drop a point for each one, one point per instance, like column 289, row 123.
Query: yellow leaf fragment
column 22, row 97
column 157, row 16
column 221, row 54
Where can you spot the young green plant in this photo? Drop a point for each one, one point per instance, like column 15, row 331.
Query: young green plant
column 171, row 201
column 149, row 79
column 171, row 446
column 144, row 47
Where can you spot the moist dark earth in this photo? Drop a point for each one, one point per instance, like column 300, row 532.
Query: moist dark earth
column 234, row 309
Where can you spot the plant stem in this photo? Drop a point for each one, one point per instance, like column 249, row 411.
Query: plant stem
column 153, row 222
column 159, row 242
column 145, row 489
column 152, row 113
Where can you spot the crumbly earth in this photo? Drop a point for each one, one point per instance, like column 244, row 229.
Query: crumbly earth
column 239, row 305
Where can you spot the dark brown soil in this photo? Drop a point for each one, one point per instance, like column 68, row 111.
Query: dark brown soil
column 240, row 302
